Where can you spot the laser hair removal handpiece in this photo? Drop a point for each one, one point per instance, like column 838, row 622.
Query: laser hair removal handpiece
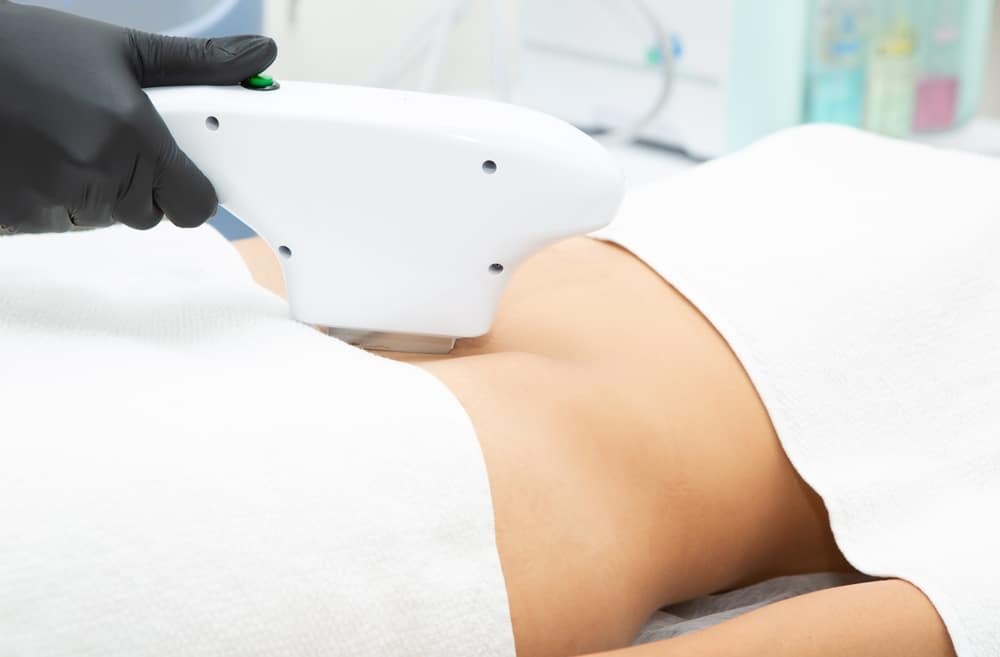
column 398, row 217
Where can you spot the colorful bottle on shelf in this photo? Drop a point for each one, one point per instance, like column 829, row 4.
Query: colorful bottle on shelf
column 941, row 61
column 836, row 85
column 892, row 76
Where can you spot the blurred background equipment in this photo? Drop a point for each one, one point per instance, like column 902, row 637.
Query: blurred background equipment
column 742, row 68
column 738, row 67
column 749, row 67
column 204, row 18
column 429, row 43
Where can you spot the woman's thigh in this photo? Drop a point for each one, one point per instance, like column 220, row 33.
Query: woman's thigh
column 631, row 462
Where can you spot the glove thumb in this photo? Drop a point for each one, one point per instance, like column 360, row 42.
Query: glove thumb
column 163, row 61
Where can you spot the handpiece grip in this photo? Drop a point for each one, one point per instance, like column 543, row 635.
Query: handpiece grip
column 393, row 211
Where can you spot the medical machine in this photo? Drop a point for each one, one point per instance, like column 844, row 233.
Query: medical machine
column 745, row 68
column 398, row 217
column 196, row 18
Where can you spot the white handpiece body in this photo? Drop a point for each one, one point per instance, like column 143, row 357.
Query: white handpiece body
column 394, row 212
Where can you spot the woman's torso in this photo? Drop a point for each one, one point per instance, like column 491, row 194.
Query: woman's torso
column 631, row 462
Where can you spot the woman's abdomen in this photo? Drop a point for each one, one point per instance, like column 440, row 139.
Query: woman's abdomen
column 631, row 463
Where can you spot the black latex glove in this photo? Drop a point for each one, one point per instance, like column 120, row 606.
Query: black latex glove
column 80, row 143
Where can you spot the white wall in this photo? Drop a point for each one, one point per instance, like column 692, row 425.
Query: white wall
column 347, row 41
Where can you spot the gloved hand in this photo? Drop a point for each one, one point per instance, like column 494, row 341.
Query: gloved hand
column 80, row 143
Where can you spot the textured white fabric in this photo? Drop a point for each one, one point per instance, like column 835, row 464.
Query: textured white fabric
column 186, row 472
column 858, row 280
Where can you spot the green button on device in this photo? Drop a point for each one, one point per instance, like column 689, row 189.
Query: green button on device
column 261, row 83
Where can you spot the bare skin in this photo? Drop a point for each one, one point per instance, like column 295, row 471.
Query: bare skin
column 633, row 465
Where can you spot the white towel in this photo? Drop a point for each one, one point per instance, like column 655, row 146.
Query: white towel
column 186, row 472
column 858, row 280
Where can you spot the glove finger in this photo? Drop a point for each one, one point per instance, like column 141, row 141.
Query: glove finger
column 13, row 214
column 91, row 216
column 182, row 191
column 92, row 208
column 174, row 61
column 28, row 216
column 136, row 208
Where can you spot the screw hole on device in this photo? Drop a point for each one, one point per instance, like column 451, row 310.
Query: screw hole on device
column 496, row 269
column 285, row 252
column 212, row 123
column 489, row 167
